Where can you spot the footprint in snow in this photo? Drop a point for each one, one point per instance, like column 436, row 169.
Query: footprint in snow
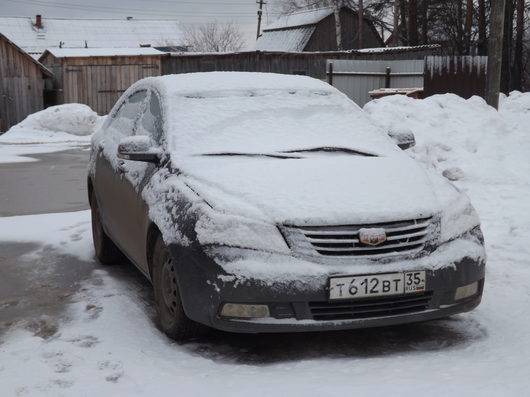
column 84, row 341
column 115, row 367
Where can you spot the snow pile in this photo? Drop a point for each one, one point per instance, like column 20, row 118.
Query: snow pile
column 462, row 139
column 63, row 123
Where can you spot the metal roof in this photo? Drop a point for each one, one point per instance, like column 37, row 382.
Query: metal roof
column 290, row 40
column 79, row 33
column 43, row 68
column 100, row 52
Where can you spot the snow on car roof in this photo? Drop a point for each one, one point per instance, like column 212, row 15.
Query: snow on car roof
column 189, row 84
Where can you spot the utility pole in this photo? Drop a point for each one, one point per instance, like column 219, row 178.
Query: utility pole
column 495, row 53
column 260, row 12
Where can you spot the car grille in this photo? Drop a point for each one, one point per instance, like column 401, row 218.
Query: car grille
column 367, row 308
column 401, row 237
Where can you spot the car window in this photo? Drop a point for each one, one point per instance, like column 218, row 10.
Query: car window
column 123, row 123
column 151, row 121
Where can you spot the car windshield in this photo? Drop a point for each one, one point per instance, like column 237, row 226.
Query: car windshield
column 272, row 123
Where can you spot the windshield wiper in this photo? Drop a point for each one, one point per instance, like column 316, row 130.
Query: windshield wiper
column 333, row 150
column 276, row 156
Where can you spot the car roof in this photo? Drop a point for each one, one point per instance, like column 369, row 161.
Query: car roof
column 216, row 83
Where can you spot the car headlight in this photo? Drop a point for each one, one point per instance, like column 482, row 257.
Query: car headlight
column 458, row 218
column 234, row 231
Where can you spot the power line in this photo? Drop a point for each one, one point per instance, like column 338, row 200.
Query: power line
column 129, row 10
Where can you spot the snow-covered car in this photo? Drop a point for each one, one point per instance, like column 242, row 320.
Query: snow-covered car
column 261, row 202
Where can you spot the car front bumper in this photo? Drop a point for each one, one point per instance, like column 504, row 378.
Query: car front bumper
column 212, row 277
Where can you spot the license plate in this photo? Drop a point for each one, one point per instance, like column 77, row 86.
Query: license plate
column 373, row 285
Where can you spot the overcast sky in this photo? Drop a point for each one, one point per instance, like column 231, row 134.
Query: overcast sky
column 187, row 12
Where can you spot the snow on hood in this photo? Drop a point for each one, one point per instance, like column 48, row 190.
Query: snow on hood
column 319, row 190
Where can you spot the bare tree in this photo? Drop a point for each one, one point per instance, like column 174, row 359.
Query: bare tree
column 518, row 55
column 482, row 44
column 468, row 25
column 214, row 37
column 395, row 31
column 413, row 22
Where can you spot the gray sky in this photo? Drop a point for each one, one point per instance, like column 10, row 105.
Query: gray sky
column 187, row 12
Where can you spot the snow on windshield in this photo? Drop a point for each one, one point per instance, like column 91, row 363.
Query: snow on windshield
column 269, row 121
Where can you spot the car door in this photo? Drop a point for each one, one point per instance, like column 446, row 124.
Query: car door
column 151, row 125
column 115, row 179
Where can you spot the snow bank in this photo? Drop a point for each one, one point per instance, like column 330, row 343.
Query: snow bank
column 70, row 122
column 462, row 139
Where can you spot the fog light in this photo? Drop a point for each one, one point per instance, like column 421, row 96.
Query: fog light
column 466, row 291
column 245, row 311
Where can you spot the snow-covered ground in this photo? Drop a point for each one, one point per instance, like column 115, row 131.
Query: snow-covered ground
column 53, row 129
column 108, row 345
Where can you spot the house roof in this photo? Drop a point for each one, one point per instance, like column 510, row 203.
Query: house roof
column 90, row 32
column 291, row 40
column 45, row 71
column 99, row 52
column 291, row 33
column 301, row 18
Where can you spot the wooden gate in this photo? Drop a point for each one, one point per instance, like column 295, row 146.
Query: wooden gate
column 100, row 86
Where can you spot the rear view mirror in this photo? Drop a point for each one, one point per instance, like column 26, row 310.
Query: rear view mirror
column 404, row 139
column 138, row 148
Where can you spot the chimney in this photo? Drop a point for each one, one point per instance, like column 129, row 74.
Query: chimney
column 38, row 21
column 129, row 18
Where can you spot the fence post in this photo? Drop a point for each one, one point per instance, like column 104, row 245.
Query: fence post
column 330, row 73
column 387, row 77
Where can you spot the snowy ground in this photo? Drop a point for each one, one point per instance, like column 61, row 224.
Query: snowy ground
column 105, row 343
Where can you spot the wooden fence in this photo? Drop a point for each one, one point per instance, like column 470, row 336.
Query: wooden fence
column 460, row 75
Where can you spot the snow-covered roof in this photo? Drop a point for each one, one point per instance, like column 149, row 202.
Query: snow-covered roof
column 301, row 18
column 95, row 32
column 290, row 40
column 44, row 69
column 101, row 52
column 381, row 50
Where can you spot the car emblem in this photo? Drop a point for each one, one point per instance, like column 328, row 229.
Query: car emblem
column 372, row 237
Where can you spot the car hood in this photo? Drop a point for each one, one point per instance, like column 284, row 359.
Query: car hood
column 320, row 190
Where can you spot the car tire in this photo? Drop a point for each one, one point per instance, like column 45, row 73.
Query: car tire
column 171, row 317
column 107, row 253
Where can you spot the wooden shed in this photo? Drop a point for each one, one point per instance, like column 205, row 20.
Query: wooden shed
column 97, row 76
column 315, row 30
column 21, row 84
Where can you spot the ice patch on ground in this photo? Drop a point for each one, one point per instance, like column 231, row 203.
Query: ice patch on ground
column 67, row 233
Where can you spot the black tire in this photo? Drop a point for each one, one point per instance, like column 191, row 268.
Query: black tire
column 171, row 317
column 107, row 253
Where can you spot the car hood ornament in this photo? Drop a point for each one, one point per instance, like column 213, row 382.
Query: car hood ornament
column 372, row 236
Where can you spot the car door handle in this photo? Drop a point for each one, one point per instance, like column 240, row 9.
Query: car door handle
column 122, row 168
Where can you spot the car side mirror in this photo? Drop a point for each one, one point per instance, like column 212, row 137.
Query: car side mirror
column 138, row 148
column 404, row 139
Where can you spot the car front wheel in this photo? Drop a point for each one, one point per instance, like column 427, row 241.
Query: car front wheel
column 173, row 321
